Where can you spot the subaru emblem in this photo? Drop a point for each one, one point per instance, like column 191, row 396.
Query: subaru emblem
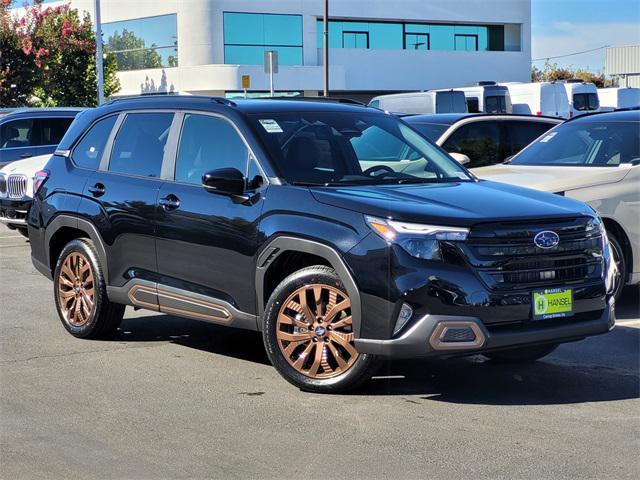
column 546, row 239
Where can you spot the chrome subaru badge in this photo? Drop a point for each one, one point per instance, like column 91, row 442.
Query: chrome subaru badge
column 546, row 239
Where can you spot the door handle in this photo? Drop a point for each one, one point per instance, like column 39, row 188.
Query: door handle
column 170, row 202
column 26, row 155
column 97, row 190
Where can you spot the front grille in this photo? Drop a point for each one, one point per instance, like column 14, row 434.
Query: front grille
column 16, row 186
column 506, row 256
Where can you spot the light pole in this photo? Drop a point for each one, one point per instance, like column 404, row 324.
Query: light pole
column 99, row 67
column 325, row 49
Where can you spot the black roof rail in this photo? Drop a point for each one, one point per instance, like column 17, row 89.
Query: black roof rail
column 316, row 99
column 155, row 96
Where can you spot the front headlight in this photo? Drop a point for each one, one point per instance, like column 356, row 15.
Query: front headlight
column 418, row 240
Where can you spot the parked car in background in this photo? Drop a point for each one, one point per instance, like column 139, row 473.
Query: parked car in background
column 487, row 97
column 16, row 190
column 615, row 98
column 542, row 98
column 595, row 159
column 433, row 101
column 582, row 96
column 29, row 132
column 478, row 140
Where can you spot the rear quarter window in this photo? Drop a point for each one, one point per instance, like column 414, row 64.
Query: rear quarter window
column 88, row 152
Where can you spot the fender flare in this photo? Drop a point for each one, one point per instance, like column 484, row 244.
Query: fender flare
column 282, row 244
column 85, row 226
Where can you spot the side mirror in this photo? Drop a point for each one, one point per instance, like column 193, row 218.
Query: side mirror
column 227, row 181
column 461, row 158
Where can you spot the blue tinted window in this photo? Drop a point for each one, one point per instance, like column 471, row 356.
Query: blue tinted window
column 89, row 151
column 150, row 42
column 385, row 35
column 248, row 35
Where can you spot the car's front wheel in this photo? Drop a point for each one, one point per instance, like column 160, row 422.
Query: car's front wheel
column 308, row 333
column 81, row 294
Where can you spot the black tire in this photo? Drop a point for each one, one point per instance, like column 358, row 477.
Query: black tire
column 363, row 366
column 105, row 316
column 522, row 354
column 620, row 259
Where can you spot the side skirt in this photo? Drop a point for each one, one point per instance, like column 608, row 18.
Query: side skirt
column 162, row 298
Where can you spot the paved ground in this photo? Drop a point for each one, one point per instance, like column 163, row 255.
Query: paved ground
column 173, row 398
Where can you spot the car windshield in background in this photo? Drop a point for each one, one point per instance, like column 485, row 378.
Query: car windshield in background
column 432, row 131
column 337, row 148
column 585, row 101
column 591, row 144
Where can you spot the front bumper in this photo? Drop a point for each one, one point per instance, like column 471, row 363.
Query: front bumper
column 419, row 339
column 13, row 212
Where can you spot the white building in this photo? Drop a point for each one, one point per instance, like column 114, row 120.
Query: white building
column 623, row 63
column 206, row 46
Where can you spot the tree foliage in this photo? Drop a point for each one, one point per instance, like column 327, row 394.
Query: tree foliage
column 131, row 51
column 551, row 72
column 48, row 58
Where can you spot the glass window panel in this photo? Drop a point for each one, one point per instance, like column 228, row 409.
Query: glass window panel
column 287, row 55
column 208, row 143
column 243, row 55
column 480, row 141
column 441, row 37
column 18, row 133
column 51, row 130
column 88, row 152
column 243, row 28
column 355, row 26
column 385, row 35
column 416, row 28
column 282, row 30
column 483, row 38
column 466, row 29
column 417, row 41
column 139, row 146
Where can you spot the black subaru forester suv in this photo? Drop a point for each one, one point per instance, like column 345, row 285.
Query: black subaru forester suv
column 336, row 230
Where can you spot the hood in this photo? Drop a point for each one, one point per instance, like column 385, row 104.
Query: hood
column 552, row 178
column 28, row 166
column 455, row 204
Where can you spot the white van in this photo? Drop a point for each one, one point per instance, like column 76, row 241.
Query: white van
column 483, row 98
column 433, row 101
column 583, row 97
column 542, row 98
column 614, row 98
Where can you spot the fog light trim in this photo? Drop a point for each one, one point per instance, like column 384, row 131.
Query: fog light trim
column 436, row 340
column 405, row 314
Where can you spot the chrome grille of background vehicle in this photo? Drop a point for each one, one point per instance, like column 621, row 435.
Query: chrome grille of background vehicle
column 506, row 256
column 16, row 186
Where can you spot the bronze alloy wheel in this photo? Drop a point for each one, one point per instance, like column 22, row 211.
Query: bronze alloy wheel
column 314, row 331
column 76, row 290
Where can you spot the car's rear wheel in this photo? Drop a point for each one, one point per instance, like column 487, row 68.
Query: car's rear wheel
column 619, row 258
column 522, row 354
column 308, row 333
column 80, row 293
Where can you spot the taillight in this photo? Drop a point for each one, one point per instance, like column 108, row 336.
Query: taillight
column 539, row 114
column 38, row 180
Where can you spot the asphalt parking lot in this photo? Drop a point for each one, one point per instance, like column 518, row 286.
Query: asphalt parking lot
column 175, row 398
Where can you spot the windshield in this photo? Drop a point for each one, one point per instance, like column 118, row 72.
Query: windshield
column 585, row 144
column 430, row 130
column 337, row 148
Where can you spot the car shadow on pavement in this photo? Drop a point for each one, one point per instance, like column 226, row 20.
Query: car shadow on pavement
column 601, row 368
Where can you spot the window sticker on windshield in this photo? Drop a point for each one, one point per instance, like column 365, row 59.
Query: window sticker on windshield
column 270, row 125
column 548, row 137
column 461, row 175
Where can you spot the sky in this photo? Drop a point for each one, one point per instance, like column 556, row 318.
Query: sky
column 559, row 27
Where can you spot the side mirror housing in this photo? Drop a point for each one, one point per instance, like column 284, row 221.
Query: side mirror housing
column 226, row 181
column 461, row 158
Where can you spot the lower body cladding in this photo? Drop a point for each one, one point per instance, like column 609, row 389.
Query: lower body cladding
column 446, row 335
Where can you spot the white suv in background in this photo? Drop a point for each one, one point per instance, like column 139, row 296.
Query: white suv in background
column 16, row 190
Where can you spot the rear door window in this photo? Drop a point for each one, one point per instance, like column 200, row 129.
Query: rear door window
column 480, row 141
column 17, row 133
column 51, row 130
column 139, row 146
column 88, row 152
column 522, row 133
column 495, row 104
column 585, row 101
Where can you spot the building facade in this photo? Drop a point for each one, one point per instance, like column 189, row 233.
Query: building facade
column 623, row 64
column 375, row 46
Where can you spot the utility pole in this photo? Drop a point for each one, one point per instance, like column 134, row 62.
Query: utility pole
column 325, row 49
column 99, row 67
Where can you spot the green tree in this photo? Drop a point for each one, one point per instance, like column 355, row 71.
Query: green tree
column 59, row 48
column 131, row 52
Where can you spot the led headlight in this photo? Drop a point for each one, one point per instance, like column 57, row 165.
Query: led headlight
column 418, row 240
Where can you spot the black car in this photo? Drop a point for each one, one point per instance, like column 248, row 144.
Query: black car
column 485, row 139
column 338, row 231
